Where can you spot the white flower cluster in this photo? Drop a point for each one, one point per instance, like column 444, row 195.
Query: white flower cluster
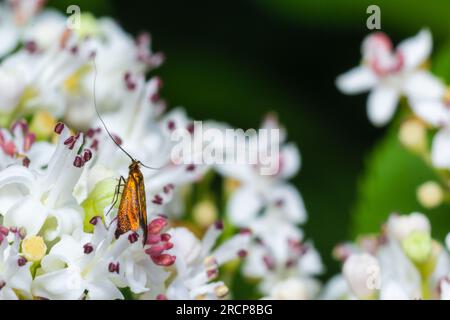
column 272, row 208
column 391, row 74
column 58, row 236
column 403, row 262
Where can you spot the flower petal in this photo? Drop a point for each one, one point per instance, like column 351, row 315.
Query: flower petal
column 416, row 49
column 440, row 150
column 423, row 84
column 254, row 266
column 230, row 249
column 433, row 111
column 103, row 289
column 290, row 161
column 186, row 245
column 244, row 205
column 11, row 88
column 22, row 280
column 290, row 202
column 8, row 293
column 68, row 219
column 9, row 35
column 29, row 213
column 310, row 263
column 445, row 290
column 381, row 104
column 9, row 195
column 392, row 291
column 18, row 175
column 67, row 250
column 65, row 284
column 357, row 80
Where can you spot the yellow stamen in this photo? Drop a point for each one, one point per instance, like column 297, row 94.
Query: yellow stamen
column 43, row 124
column 72, row 83
column 34, row 248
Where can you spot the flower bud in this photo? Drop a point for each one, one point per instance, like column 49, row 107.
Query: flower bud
column 205, row 213
column 417, row 246
column 34, row 248
column 400, row 227
column 362, row 272
column 89, row 26
column 430, row 194
column 412, row 135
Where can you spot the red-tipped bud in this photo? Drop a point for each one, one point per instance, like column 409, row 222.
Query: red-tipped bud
column 155, row 227
column 164, row 260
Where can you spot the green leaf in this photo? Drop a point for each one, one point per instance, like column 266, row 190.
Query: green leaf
column 441, row 63
column 389, row 185
column 404, row 15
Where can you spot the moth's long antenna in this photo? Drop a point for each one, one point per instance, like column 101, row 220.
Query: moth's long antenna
column 104, row 125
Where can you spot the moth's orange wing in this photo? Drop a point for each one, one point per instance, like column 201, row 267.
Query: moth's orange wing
column 142, row 206
column 132, row 212
column 128, row 214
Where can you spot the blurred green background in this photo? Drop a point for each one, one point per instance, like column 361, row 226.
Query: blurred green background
column 236, row 60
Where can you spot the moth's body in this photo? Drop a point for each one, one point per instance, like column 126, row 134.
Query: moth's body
column 132, row 212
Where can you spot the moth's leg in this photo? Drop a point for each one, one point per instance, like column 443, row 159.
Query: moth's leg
column 116, row 193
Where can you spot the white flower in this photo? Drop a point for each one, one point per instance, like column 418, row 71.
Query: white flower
column 19, row 146
column 15, row 275
column 358, row 269
column 145, row 269
column 197, row 263
column 36, row 199
column 272, row 208
column 434, row 110
column 258, row 192
column 399, row 277
column 40, row 75
column 293, row 289
column 45, row 29
column 117, row 54
column 399, row 227
column 299, row 263
column 445, row 290
column 9, row 32
column 336, row 289
column 14, row 17
column 389, row 74
column 389, row 268
column 79, row 263
column 94, row 266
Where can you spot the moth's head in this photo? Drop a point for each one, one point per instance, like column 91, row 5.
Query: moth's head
column 135, row 164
